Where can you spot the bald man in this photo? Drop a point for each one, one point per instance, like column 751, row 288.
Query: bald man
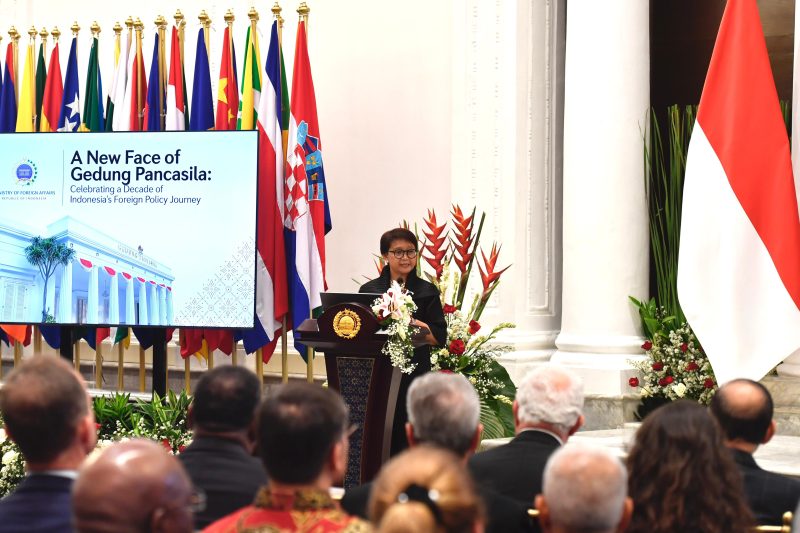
column 133, row 487
column 744, row 410
column 48, row 414
column 584, row 489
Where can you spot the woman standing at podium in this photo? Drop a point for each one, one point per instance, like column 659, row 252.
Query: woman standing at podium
column 399, row 250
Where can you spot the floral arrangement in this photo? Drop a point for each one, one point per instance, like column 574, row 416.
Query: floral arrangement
column 450, row 255
column 393, row 310
column 118, row 418
column 676, row 366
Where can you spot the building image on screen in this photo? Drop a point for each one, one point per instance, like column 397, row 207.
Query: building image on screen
column 107, row 282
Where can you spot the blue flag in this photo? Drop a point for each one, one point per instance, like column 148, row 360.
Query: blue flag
column 8, row 103
column 51, row 334
column 152, row 108
column 202, row 114
column 70, row 117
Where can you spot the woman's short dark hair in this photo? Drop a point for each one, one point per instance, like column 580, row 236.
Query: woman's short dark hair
column 397, row 234
column 298, row 425
column 681, row 476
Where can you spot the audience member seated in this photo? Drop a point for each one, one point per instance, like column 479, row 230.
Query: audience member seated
column 219, row 460
column 425, row 490
column 744, row 409
column 584, row 489
column 547, row 411
column 303, row 442
column 680, row 476
column 444, row 411
column 133, row 487
column 48, row 414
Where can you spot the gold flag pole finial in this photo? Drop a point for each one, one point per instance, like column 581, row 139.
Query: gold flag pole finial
column 14, row 34
column 95, row 29
column 129, row 25
column 75, row 28
column 117, row 29
column 276, row 12
column 138, row 25
column 179, row 18
column 253, row 15
column 303, row 11
column 43, row 33
column 32, row 33
column 180, row 23
column 56, row 33
column 229, row 18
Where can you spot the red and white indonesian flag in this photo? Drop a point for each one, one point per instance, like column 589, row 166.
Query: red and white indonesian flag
column 739, row 261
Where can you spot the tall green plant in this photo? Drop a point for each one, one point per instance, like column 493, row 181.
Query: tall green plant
column 665, row 167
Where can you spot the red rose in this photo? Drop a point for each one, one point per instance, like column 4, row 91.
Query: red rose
column 692, row 366
column 633, row 382
column 445, row 371
column 658, row 365
column 708, row 383
column 684, row 347
column 181, row 448
column 97, row 426
column 448, row 309
column 662, row 382
column 647, row 345
column 457, row 347
column 473, row 327
column 166, row 445
column 669, row 379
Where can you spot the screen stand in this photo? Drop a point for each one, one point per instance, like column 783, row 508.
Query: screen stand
column 65, row 350
column 160, row 363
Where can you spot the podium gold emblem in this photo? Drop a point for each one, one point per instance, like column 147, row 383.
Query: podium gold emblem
column 346, row 324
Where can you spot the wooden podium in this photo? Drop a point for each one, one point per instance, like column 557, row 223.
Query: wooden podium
column 348, row 334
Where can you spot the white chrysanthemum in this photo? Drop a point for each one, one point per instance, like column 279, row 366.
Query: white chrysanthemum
column 679, row 389
column 9, row 457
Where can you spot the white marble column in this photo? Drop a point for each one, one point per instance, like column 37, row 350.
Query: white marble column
column 152, row 297
column 508, row 59
column 144, row 316
column 130, row 302
column 65, row 295
column 605, row 239
column 113, row 300
column 93, row 298
column 170, row 311
column 162, row 305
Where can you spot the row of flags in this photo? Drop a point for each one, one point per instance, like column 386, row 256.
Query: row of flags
column 293, row 215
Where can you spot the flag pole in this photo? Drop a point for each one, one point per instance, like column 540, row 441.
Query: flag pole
column 37, row 340
column 98, row 363
column 161, row 24
column 180, row 23
column 138, row 26
column 32, row 45
column 117, row 42
column 121, row 366
column 260, row 368
column 205, row 20
column 303, row 12
column 14, row 34
column 276, row 12
column 129, row 25
column 141, row 369
column 43, row 33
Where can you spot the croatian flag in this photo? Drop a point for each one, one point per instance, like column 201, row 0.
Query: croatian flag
column 307, row 216
column 739, row 261
column 271, row 290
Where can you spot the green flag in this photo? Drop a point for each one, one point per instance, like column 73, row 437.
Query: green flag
column 93, row 105
column 41, row 80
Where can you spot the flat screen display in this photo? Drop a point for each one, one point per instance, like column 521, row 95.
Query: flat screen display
column 139, row 229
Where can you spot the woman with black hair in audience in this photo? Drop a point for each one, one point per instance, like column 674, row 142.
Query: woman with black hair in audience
column 682, row 478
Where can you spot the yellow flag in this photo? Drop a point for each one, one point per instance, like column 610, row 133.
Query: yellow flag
column 27, row 95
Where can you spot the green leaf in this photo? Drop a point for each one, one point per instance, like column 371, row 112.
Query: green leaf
column 492, row 426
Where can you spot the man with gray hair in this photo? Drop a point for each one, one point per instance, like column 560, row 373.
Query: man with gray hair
column 547, row 411
column 584, row 489
column 444, row 411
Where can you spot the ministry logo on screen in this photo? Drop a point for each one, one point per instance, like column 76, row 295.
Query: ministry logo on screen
column 26, row 173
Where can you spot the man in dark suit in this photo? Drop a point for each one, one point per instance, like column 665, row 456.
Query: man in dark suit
column 219, row 460
column 547, row 411
column 744, row 410
column 444, row 411
column 48, row 414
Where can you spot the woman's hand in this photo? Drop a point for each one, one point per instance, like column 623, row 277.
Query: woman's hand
column 429, row 338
